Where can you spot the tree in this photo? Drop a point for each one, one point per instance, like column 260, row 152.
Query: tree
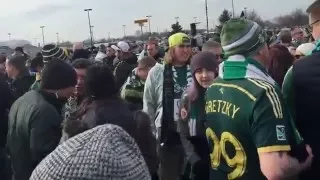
column 176, row 28
column 295, row 18
column 224, row 17
column 254, row 16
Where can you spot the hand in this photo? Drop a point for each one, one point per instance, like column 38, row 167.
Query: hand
column 308, row 162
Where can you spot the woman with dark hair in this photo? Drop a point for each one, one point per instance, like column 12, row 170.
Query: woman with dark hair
column 281, row 61
column 102, row 105
column 204, row 68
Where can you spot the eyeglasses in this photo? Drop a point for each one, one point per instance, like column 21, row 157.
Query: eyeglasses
column 315, row 22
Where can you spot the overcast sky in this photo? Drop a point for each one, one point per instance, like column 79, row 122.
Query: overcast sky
column 23, row 18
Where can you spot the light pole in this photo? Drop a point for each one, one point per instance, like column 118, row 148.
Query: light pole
column 42, row 27
column 35, row 41
column 177, row 19
column 195, row 19
column 58, row 40
column 90, row 31
column 9, row 35
column 124, row 30
column 149, row 19
column 207, row 18
column 245, row 13
column 232, row 9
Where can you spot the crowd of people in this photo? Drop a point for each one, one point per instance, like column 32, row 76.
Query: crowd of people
column 242, row 108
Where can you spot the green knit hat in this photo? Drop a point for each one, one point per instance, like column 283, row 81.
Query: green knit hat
column 241, row 36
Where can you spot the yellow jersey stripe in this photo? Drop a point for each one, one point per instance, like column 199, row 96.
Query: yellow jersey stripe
column 235, row 87
column 274, row 94
column 268, row 93
column 276, row 148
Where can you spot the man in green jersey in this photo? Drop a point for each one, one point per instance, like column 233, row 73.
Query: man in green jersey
column 249, row 129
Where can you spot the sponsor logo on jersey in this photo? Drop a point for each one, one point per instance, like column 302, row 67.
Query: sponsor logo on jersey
column 281, row 133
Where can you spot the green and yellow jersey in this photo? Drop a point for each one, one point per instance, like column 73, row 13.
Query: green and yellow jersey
column 244, row 117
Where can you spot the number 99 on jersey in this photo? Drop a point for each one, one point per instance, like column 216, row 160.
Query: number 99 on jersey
column 237, row 162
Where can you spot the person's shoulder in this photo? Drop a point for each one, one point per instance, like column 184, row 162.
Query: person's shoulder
column 156, row 70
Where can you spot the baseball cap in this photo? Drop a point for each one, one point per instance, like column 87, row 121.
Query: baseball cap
column 121, row 46
column 179, row 39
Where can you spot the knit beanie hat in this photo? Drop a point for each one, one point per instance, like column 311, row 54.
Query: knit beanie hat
column 52, row 50
column 241, row 36
column 104, row 152
column 204, row 59
column 57, row 74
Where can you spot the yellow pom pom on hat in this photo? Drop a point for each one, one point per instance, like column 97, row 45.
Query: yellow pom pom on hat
column 179, row 39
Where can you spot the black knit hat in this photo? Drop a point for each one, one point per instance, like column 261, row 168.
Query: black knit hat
column 57, row 74
column 206, row 60
column 51, row 50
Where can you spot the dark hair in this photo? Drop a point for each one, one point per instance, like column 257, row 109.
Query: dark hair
column 99, row 82
column 81, row 63
column 35, row 62
column 281, row 61
column 285, row 36
column 39, row 54
column 19, row 49
column 147, row 61
column 3, row 59
column 18, row 61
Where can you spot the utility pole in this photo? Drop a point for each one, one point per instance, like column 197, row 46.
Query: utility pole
column 58, row 40
column 149, row 21
column 124, row 30
column 90, row 30
column 207, row 18
column 233, row 10
column 42, row 27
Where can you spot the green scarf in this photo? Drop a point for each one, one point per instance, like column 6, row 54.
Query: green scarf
column 239, row 67
column 317, row 49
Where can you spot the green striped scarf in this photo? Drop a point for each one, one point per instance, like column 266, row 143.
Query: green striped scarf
column 239, row 67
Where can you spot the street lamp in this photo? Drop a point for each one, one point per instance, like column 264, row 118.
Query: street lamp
column 124, row 30
column 245, row 13
column 9, row 35
column 207, row 18
column 149, row 19
column 58, row 40
column 90, row 31
column 195, row 19
column 232, row 9
column 177, row 19
column 42, row 27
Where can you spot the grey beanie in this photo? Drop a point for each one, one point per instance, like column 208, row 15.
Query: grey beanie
column 104, row 152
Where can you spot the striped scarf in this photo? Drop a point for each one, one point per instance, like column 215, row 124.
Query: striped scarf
column 317, row 49
column 239, row 67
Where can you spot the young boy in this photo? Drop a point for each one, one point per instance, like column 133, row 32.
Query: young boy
column 132, row 90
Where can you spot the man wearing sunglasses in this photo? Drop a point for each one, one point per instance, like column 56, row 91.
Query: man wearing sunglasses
column 301, row 89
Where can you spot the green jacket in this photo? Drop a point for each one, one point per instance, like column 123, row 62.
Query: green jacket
column 34, row 131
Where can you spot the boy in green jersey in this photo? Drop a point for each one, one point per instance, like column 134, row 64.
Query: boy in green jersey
column 249, row 129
